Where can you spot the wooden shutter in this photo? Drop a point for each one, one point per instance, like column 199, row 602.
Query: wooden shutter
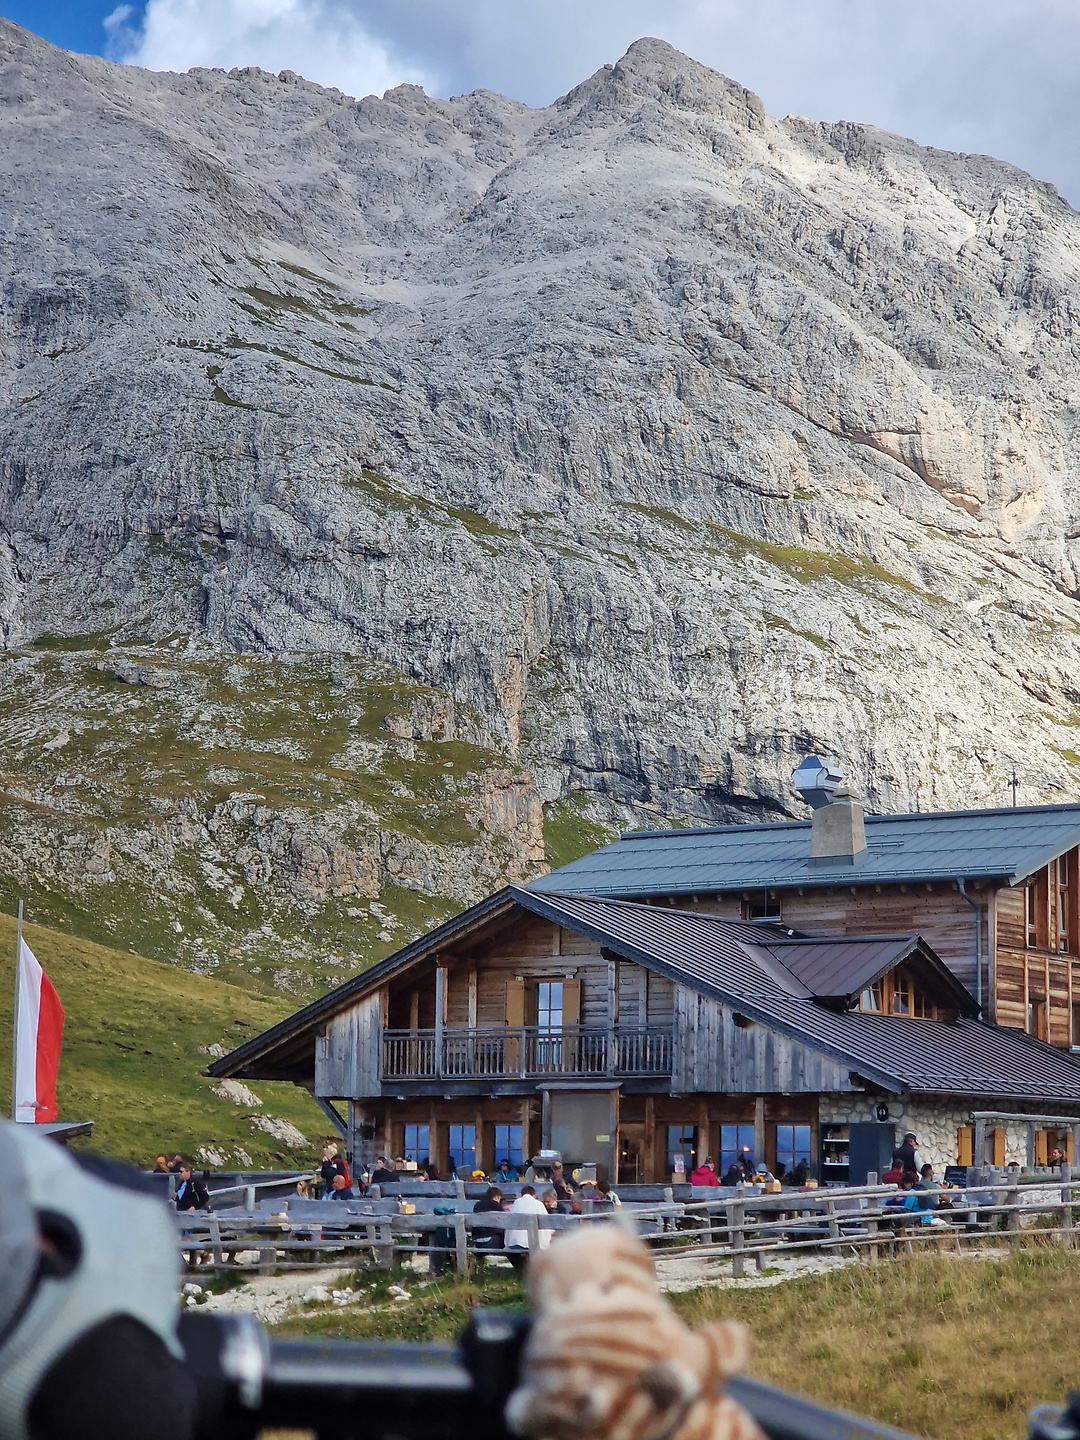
column 965, row 1145
column 997, row 1136
column 1069, row 1146
column 571, row 1002
column 515, row 1002
column 514, row 1056
column 1041, row 1148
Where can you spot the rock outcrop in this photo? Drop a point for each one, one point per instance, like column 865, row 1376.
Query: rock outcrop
column 658, row 440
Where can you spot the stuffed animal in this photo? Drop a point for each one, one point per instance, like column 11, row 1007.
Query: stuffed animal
column 608, row 1359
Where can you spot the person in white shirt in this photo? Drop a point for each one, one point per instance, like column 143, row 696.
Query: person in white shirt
column 517, row 1241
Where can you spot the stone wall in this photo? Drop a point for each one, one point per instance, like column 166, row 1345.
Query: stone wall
column 936, row 1121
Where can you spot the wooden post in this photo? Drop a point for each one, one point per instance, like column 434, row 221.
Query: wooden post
column 267, row 1259
column 649, row 1139
column 249, row 1197
column 834, row 1223
column 440, row 1015
column 385, row 1247
column 736, row 1211
column 1012, row 1199
column 461, row 1245
column 15, row 1015
column 215, row 1242
column 1066, row 1237
column 532, row 1229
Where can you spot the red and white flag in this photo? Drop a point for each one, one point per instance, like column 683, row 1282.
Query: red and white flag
column 39, row 1028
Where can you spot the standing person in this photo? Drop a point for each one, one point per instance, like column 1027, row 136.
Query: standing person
column 517, row 1241
column 191, row 1194
column 1057, row 1157
column 907, row 1155
column 704, row 1174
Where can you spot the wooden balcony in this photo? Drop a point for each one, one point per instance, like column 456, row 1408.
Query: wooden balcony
column 575, row 1050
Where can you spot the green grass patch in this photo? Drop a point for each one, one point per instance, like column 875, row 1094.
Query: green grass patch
column 570, row 832
column 131, row 1058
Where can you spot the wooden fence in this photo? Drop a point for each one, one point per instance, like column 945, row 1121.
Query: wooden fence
column 741, row 1226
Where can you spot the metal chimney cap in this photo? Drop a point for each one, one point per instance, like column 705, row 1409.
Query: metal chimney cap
column 817, row 782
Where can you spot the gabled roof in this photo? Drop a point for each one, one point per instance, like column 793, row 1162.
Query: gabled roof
column 1006, row 845
column 762, row 971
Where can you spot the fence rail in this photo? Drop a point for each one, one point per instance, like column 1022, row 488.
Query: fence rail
column 740, row 1226
column 527, row 1051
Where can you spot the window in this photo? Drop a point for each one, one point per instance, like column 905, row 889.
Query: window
column 1064, row 919
column 873, row 997
column 792, row 1146
column 461, row 1149
column 682, row 1140
column 763, row 905
column 1031, row 910
column 733, row 1140
column 901, row 995
column 1036, row 1024
column 1074, row 1038
column 416, row 1143
column 508, row 1145
column 922, row 1007
column 549, row 1005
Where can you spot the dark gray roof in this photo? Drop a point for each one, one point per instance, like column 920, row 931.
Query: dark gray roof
column 1005, row 844
column 965, row 1057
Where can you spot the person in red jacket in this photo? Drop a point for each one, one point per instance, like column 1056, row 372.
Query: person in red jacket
column 704, row 1174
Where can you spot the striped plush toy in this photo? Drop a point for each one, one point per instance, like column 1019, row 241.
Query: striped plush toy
column 608, row 1359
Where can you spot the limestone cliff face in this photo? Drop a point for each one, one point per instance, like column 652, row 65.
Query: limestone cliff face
column 664, row 439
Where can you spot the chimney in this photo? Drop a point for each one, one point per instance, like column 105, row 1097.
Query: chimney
column 837, row 834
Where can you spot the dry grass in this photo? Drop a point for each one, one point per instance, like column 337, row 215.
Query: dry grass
column 947, row 1347
column 952, row 1348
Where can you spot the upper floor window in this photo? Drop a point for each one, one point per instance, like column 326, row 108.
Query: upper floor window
column 873, row 997
column 762, row 905
column 1064, row 917
column 897, row 994
column 1036, row 1024
column 549, row 1005
column 1031, row 911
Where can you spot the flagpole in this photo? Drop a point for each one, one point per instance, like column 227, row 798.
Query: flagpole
column 15, row 1017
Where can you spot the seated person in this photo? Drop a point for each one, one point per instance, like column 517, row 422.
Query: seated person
column 340, row 1189
column 384, row 1172
column 517, row 1241
column 800, row 1174
column 561, row 1183
column 907, row 1200
column 506, row 1174
column 429, row 1171
column 734, row 1174
column 704, row 1174
column 931, row 1193
column 894, row 1174
column 605, row 1192
column 489, row 1239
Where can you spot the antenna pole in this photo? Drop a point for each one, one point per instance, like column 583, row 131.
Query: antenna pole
column 1014, row 783
column 15, row 1015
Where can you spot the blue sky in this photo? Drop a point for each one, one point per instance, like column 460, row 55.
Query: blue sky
column 998, row 77
column 74, row 24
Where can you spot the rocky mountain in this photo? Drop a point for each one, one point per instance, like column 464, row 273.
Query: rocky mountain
column 375, row 473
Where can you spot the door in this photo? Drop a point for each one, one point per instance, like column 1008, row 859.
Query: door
column 581, row 1127
column 631, row 1155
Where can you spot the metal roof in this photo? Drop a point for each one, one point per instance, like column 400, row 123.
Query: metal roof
column 1006, row 845
column 962, row 1057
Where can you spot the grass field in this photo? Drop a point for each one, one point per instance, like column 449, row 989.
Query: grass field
column 132, row 1055
column 946, row 1347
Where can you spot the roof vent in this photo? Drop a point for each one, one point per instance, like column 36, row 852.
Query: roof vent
column 817, row 782
column 837, row 833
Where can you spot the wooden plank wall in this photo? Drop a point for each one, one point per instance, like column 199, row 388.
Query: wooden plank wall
column 347, row 1058
column 712, row 1053
column 938, row 912
column 1022, row 975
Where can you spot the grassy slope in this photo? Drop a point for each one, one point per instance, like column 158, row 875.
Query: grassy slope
column 131, row 1060
column 955, row 1349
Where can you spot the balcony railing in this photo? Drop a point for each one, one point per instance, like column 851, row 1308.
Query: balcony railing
column 529, row 1051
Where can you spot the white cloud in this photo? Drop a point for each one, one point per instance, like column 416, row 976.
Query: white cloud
column 319, row 39
column 997, row 76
